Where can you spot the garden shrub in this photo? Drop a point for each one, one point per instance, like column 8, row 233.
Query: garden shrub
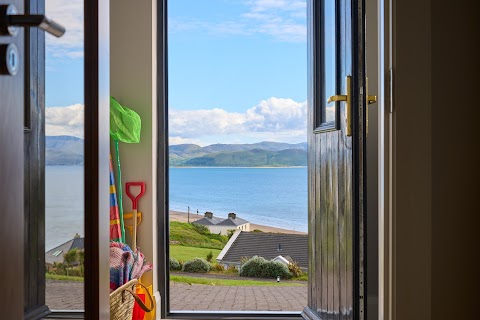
column 295, row 269
column 253, row 267
column 259, row 267
column 218, row 267
column 196, row 265
column 232, row 270
column 175, row 265
column 210, row 256
column 273, row 269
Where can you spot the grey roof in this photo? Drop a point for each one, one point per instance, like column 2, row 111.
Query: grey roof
column 56, row 254
column 208, row 221
column 264, row 244
column 232, row 222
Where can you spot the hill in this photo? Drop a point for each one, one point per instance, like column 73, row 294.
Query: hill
column 194, row 235
column 251, row 158
column 249, row 155
column 64, row 151
column 69, row 151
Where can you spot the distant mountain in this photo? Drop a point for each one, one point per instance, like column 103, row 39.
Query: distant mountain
column 69, row 151
column 251, row 158
column 63, row 151
column 181, row 154
column 248, row 155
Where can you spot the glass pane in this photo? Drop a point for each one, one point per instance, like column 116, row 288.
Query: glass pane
column 64, row 174
column 238, row 176
column 329, row 57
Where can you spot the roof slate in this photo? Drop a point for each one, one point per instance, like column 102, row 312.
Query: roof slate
column 208, row 221
column 232, row 222
column 76, row 243
column 263, row 244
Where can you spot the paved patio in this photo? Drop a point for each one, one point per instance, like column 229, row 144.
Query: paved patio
column 65, row 295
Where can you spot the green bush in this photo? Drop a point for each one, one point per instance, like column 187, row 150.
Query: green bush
column 210, row 256
column 196, row 265
column 175, row 265
column 259, row 267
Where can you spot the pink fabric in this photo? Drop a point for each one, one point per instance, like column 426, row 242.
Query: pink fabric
column 125, row 265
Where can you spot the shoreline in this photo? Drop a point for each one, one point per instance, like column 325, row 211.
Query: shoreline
column 223, row 167
column 183, row 217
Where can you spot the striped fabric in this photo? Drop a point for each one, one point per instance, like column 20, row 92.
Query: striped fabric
column 115, row 233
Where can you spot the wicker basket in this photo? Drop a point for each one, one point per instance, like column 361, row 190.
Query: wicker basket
column 123, row 299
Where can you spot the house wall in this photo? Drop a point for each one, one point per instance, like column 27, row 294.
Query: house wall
column 224, row 229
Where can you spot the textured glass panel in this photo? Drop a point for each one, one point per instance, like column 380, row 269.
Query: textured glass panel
column 329, row 58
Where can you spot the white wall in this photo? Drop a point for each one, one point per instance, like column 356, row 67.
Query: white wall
column 133, row 84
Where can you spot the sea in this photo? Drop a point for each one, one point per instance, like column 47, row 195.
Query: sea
column 275, row 197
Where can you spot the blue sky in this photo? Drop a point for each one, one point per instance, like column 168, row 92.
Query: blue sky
column 237, row 71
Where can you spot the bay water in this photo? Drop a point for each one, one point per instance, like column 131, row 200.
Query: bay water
column 275, row 197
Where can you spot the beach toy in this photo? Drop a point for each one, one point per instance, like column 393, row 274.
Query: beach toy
column 135, row 199
column 129, row 216
column 115, row 231
column 125, row 126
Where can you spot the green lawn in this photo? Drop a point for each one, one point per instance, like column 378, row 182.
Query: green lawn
column 63, row 278
column 234, row 283
column 195, row 235
column 188, row 253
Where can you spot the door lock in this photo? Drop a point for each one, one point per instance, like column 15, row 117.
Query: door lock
column 9, row 59
column 10, row 21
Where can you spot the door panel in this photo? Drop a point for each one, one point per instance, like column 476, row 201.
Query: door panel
column 336, row 168
column 34, row 167
column 11, row 179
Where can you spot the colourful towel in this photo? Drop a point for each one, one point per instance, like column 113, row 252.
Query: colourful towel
column 115, row 232
column 125, row 265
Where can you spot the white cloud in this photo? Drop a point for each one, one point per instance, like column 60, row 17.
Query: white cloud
column 274, row 119
column 180, row 140
column 70, row 15
column 65, row 121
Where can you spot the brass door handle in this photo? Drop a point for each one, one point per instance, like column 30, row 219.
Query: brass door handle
column 347, row 99
column 340, row 97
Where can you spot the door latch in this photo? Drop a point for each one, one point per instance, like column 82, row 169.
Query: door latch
column 368, row 100
column 10, row 21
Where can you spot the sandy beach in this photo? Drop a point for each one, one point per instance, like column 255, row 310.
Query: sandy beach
column 183, row 217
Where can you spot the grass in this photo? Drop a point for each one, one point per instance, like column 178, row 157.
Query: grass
column 232, row 283
column 63, row 278
column 303, row 277
column 195, row 236
column 188, row 253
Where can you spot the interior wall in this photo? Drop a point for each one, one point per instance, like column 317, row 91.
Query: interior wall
column 134, row 85
column 455, row 163
column 435, row 159
column 372, row 160
column 412, row 159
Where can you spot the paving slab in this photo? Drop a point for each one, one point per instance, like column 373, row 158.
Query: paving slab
column 67, row 295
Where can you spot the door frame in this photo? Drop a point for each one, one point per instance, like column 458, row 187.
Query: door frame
column 97, row 150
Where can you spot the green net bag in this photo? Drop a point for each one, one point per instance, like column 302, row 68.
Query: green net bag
column 125, row 124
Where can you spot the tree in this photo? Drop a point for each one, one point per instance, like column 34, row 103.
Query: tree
column 70, row 258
